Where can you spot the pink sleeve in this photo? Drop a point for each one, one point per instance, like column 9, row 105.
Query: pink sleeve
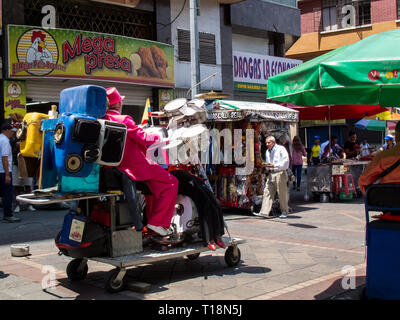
column 138, row 135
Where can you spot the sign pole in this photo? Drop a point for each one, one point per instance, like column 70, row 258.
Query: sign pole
column 194, row 44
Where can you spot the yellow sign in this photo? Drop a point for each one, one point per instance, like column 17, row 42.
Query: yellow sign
column 165, row 96
column 14, row 98
column 392, row 114
column 71, row 54
column 310, row 123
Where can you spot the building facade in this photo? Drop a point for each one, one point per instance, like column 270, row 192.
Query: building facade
column 330, row 24
column 241, row 42
column 87, row 42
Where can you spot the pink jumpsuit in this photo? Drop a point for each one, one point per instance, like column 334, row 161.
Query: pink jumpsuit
column 163, row 186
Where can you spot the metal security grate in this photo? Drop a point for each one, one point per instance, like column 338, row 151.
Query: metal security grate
column 94, row 16
column 398, row 9
column 206, row 47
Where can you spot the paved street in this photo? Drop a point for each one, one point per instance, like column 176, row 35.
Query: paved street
column 300, row 257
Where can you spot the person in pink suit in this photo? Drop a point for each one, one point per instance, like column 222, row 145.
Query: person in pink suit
column 163, row 186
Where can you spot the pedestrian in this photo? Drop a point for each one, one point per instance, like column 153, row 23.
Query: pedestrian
column 314, row 159
column 6, row 186
column 351, row 146
column 389, row 143
column 330, row 151
column 136, row 166
column 277, row 163
column 22, row 185
column 365, row 148
column 298, row 153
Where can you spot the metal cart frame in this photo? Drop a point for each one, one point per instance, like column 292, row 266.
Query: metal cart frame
column 122, row 259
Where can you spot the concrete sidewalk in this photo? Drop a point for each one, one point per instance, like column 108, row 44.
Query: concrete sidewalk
column 301, row 257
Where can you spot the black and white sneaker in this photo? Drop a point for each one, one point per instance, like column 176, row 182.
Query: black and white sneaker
column 259, row 214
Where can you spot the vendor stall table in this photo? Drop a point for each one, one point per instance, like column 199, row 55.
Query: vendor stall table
column 320, row 177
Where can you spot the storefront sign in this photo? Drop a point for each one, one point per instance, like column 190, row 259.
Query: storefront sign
column 392, row 114
column 252, row 115
column 70, row 54
column 14, row 98
column 251, row 71
column 165, row 96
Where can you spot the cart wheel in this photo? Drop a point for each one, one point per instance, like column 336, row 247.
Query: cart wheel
column 72, row 270
column 193, row 256
column 230, row 258
column 113, row 285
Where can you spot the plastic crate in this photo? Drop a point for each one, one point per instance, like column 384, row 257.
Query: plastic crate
column 345, row 197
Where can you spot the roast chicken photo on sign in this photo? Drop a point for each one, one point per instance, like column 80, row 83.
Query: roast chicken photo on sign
column 151, row 62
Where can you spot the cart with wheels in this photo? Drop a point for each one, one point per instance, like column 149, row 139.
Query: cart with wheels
column 126, row 247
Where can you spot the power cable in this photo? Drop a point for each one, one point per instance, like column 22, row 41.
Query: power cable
column 180, row 12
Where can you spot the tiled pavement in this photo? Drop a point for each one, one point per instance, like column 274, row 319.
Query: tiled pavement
column 299, row 258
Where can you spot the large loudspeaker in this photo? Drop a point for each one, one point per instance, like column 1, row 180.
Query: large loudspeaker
column 87, row 99
column 76, row 144
column 111, row 142
column 30, row 134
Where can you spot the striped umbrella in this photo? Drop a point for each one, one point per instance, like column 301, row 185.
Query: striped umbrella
column 375, row 125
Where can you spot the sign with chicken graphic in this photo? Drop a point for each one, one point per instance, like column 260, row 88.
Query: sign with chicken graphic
column 14, row 98
column 72, row 54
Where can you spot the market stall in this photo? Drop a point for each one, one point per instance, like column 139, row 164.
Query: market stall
column 237, row 184
column 323, row 181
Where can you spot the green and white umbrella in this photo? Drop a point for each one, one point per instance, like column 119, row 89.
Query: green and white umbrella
column 366, row 72
column 374, row 125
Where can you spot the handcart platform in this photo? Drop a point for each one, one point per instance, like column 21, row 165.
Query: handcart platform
column 50, row 196
column 121, row 258
column 149, row 255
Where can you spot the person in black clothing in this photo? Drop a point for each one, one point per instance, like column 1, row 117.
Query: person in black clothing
column 352, row 146
column 210, row 212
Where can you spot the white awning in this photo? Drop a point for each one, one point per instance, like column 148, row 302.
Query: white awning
column 230, row 110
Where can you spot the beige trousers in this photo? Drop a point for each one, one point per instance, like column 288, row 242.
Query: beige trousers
column 277, row 182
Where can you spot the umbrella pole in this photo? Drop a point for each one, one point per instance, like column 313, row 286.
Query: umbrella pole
column 329, row 130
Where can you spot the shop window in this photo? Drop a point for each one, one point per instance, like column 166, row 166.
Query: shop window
column 93, row 16
column 398, row 9
column 206, row 45
column 364, row 12
column 329, row 15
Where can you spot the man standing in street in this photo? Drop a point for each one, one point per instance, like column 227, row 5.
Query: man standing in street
column 277, row 162
column 350, row 146
column 6, row 186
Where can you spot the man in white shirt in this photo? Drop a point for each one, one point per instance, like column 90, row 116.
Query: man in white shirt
column 6, row 187
column 277, row 161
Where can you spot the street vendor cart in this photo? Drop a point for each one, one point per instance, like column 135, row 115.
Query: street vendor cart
column 327, row 181
column 79, row 164
column 125, row 246
column 241, row 185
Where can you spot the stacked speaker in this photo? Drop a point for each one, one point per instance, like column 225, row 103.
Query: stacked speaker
column 81, row 138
